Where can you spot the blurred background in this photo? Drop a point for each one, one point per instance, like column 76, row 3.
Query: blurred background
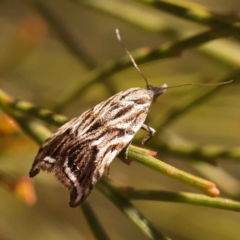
column 48, row 50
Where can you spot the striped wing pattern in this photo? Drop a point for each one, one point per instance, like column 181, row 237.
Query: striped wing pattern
column 80, row 151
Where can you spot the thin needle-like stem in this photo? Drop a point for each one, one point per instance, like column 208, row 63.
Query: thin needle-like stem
column 95, row 225
column 129, row 211
column 181, row 197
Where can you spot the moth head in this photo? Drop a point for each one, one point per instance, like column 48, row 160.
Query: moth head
column 157, row 91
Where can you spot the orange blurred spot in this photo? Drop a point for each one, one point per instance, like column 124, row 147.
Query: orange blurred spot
column 7, row 124
column 24, row 190
column 11, row 137
column 170, row 171
column 31, row 29
column 152, row 153
column 146, row 50
column 212, row 191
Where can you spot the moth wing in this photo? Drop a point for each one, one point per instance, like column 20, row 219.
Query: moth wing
column 76, row 163
column 67, row 155
column 80, row 151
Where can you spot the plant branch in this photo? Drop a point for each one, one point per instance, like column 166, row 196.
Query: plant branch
column 168, row 144
column 142, row 55
column 96, row 227
column 198, row 14
column 227, row 182
column 124, row 205
column 203, row 185
column 68, row 37
column 28, row 108
column 181, row 197
column 127, row 11
column 129, row 210
column 35, row 130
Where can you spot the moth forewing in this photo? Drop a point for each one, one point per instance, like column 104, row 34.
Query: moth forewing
column 82, row 149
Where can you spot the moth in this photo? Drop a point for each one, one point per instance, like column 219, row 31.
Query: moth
column 82, row 149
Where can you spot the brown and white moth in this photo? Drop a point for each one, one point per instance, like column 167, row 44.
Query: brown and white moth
column 83, row 148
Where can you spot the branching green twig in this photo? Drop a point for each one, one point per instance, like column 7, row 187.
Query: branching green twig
column 28, row 108
column 227, row 182
column 68, row 37
column 156, row 23
column 181, row 197
column 221, row 26
column 39, row 134
column 142, row 55
column 198, row 14
column 106, row 188
column 36, row 133
column 34, row 129
column 203, row 185
column 120, row 201
column 129, row 210
column 137, row 155
column 127, row 11
column 93, row 222
column 205, row 153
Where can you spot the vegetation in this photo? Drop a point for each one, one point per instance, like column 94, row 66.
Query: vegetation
column 62, row 57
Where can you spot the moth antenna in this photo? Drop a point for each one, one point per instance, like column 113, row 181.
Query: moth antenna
column 199, row 84
column 148, row 86
column 131, row 57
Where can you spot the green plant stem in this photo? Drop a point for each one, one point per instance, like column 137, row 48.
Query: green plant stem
column 124, row 205
column 181, row 197
column 152, row 21
column 129, row 210
column 68, row 37
column 40, row 135
column 203, row 185
column 28, row 108
column 34, row 129
column 134, row 152
column 142, row 55
column 96, row 227
column 127, row 11
column 198, row 14
column 227, row 182
column 206, row 153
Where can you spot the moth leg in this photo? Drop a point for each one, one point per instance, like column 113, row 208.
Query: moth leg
column 127, row 149
column 150, row 131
